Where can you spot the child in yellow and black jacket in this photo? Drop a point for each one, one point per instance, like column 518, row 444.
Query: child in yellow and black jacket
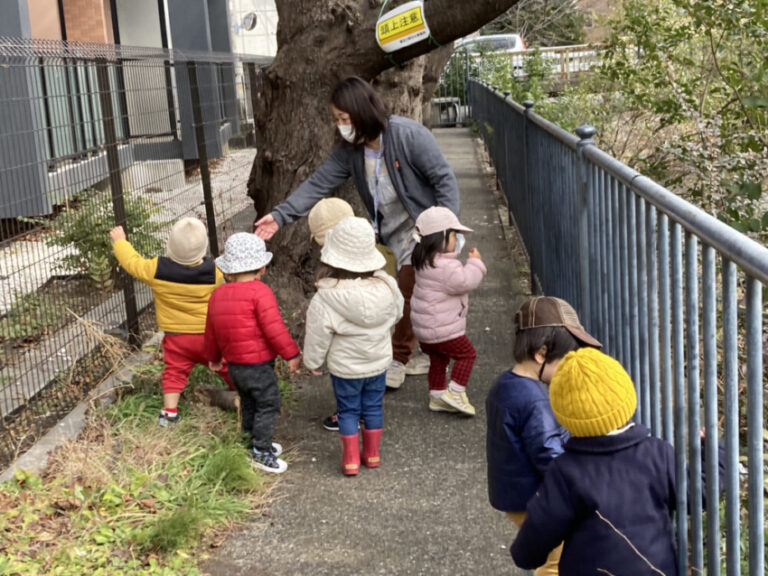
column 181, row 282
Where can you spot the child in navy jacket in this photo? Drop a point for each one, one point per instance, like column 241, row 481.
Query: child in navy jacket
column 523, row 437
column 610, row 496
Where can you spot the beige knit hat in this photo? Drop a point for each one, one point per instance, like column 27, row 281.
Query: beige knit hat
column 351, row 245
column 325, row 215
column 187, row 242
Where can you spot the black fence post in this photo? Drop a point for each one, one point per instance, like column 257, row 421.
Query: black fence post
column 585, row 134
column 202, row 154
column 467, row 92
column 116, row 186
column 528, row 104
column 254, row 81
column 167, row 65
column 505, row 171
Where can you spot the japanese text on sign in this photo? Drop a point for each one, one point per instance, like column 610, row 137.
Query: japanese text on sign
column 401, row 27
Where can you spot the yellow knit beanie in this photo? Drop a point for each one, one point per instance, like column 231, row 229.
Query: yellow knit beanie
column 591, row 393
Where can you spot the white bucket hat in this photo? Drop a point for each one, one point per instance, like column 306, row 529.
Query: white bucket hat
column 351, row 245
column 187, row 242
column 243, row 252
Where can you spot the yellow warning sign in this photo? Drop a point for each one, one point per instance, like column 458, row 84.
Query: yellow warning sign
column 402, row 27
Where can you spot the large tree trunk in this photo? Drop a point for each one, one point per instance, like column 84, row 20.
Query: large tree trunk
column 319, row 43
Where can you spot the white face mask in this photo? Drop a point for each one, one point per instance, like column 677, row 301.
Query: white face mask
column 347, row 132
column 460, row 241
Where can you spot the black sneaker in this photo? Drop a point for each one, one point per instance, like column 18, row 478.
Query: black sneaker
column 332, row 422
column 268, row 462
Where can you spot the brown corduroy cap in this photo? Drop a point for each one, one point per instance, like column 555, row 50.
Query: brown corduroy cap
column 542, row 311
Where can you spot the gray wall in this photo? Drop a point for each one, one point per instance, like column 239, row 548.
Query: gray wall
column 219, row 18
column 146, row 90
column 23, row 166
column 190, row 30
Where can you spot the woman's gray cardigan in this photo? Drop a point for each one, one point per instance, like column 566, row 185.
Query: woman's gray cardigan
column 419, row 172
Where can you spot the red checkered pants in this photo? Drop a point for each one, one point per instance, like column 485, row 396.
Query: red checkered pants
column 440, row 355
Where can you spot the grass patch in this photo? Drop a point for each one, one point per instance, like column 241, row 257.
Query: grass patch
column 129, row 497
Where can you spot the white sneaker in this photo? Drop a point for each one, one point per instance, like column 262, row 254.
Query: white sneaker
column 268, row 462
column 458, row 401
column 395, row 375
column 418, row 364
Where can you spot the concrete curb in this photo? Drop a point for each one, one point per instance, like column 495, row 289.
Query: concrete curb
column 36, row 458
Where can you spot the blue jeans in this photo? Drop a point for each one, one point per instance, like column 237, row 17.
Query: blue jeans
column 356, row 397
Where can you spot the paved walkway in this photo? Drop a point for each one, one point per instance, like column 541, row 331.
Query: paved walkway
column 425, row 511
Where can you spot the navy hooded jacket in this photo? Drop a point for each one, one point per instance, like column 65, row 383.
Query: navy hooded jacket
column 522, row 439
column 601, row 494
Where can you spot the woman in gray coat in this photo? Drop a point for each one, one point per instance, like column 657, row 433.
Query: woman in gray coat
column 399, row 172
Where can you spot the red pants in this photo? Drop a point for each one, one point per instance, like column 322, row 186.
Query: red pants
column 403, row 339
column 440, row 355
column 181, row 352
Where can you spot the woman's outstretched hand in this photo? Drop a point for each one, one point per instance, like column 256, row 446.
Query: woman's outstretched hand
column 265, row 227
column 475, row 253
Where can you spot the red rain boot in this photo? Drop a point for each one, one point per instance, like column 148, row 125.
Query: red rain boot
column 371, row 439
column 350, row 454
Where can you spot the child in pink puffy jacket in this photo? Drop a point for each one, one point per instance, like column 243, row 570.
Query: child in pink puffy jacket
column 439, row 306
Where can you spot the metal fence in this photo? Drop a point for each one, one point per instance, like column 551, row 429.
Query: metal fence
column 92, row 136
column 673, row 293
column 559, row 65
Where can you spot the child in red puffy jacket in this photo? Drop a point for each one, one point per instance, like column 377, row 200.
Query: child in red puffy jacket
column 244, row 326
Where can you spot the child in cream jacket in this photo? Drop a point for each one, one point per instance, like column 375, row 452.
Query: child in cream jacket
column 349, row 328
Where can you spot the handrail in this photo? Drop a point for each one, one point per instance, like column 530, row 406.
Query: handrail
column 563, row 135
column 739, row 248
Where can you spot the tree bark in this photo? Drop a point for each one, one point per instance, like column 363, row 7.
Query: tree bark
column 319, row 43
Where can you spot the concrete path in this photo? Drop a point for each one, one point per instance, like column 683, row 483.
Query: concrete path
column 425, row 511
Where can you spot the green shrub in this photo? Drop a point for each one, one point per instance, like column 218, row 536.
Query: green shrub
column 86, row 225
column 173, row 531
column 230, row 469
column 32, row 316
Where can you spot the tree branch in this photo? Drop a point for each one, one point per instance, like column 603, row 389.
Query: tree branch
column 736, row 93
column 448, row 20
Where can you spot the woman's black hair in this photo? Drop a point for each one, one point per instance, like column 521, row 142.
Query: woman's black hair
column 366, row 111
column 556, row 339
column 325, row 271
column 429, row 246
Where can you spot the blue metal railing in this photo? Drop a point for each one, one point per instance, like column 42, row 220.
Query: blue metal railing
column 650, row 275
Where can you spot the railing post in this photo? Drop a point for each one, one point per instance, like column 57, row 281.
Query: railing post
column 528, row 104
column 202, row 154
column 467, row 92
column 563, row 75
column 585, row 134
column 504, row 166
column 116, row 187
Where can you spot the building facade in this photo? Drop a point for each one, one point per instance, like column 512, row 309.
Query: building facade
column 52, row 109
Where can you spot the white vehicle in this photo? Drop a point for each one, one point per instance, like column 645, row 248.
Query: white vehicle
column 493, row 43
